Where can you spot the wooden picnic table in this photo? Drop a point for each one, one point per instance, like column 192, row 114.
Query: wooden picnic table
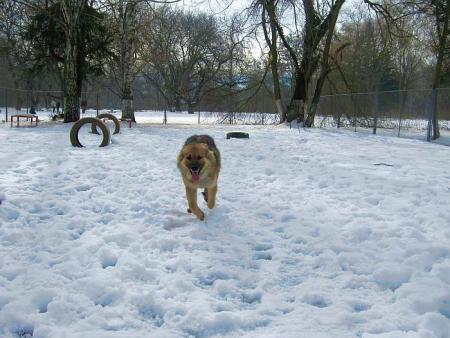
column 27, row 116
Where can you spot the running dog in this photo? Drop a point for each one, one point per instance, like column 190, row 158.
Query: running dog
column 199, row 165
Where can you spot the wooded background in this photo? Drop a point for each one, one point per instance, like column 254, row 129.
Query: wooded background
column 282, row 56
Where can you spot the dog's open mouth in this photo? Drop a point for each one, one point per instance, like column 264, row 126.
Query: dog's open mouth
column 195, row 172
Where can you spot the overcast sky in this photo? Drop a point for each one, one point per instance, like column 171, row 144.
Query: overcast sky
column 216, row 6
column 224, row 7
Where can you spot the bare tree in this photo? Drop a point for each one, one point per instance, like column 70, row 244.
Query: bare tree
column 186, row 55
column 123, row 67
column 409, row 51
column 128, row 25
column 268, row 16
column 318, row 21
column 440, row 11
column 367, row 63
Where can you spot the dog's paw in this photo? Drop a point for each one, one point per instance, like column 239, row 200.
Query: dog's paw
column 201, row 216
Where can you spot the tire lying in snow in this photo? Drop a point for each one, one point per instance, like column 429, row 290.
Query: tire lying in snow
column 95, row 123
column 110, row 117
column 237, row 134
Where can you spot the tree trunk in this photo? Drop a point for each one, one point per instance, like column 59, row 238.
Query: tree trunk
column 177, row 103
column 272, row 42
column 71, row 98
column 71, row 10
column 296, row 108
column 127, row 46
column 128, row 108
column 442, row 37
column 281, row 109
column 324, row 65
column 127, row 88
column 314, row 29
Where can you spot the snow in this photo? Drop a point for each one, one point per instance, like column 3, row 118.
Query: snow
column 309, row 237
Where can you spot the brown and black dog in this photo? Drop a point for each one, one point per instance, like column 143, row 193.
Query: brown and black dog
column 199, row 164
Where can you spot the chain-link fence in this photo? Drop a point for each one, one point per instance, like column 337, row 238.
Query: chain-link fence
column 404, row 113
column 45, row 104
column 48, row 105
column 397, row 113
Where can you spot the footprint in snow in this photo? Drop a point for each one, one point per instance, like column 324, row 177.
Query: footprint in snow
column 251, row 297
column 287, row 218
column 209, row 279
column 262, row 255
column 171, row 223
column 316, row 300
column 262, row 247
column 360, row 307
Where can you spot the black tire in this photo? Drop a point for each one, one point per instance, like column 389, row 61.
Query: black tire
column 110, row 117
column 95, row 122
column 237, row 134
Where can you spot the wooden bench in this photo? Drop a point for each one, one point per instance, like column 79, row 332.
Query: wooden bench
column 127, row 120
column 27, row 116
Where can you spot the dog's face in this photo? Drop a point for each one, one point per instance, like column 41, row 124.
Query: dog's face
column 195, row 161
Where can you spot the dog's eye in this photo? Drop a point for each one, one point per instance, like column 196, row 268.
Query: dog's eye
column 189, row 157
column 199, row 157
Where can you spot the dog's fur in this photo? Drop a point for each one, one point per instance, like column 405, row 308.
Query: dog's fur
column 199, row 164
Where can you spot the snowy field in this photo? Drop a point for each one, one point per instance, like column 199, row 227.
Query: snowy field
column 316, row 234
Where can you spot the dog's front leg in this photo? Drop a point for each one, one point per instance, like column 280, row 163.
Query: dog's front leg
column 211, row 193
column 191, row 195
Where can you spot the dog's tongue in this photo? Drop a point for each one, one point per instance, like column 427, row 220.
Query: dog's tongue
column 195, row 176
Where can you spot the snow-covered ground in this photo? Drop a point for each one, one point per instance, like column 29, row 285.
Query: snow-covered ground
column 316, row 234
column 412, row 129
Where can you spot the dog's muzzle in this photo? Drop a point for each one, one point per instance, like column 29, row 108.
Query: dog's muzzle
column 195, row 172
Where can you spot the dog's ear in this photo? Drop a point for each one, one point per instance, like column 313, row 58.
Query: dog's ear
column 180, row 157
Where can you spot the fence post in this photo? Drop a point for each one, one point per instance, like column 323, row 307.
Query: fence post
column 334, row 115
column 375, row 114
column 400, row 108
column 28, row 102
column 6, row 103
column 97, row 103
column 337, row 114
column 432, row 108
column 199, row 117
column 165, row 116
